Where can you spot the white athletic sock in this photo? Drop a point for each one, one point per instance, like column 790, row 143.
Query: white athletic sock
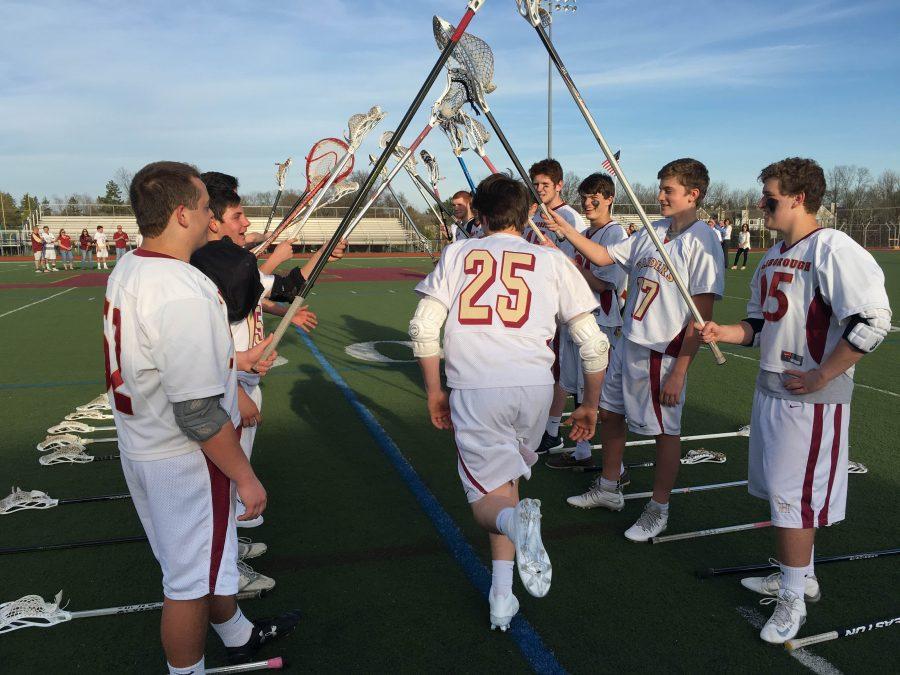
column 236, row 631
column 198, row 668
column 553, row 425
column 502, row 577
column 582, row 450
column 608, row 485
column 793, row 579
column 504, row 521
column 662, row 508
column 811, row 568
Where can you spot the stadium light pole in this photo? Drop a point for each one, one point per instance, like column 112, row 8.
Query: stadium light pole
column 553, row 6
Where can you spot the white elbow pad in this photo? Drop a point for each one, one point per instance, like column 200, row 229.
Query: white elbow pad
column 867, row 329
column 425, row 327
column 593, row 346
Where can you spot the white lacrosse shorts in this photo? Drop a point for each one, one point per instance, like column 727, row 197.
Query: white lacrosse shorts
column 50, row 254
column 38, row 255
column 248, row 434
column 798, row 460
column 102, row 252
column 497, row 431
column 186, row 505
column 632, row 388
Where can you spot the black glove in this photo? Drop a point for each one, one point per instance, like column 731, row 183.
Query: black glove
column 286, row 288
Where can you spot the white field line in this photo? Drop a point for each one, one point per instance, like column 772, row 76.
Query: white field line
column 36, row 302
column 855, row 383
column 815, row 663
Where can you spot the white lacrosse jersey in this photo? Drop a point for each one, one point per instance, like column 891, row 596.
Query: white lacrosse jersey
column 656, row 315
column 610, row 302
column 247, row 334
column 806, row 292
column 100, row 238
column 166, row 340
column 568, row 214
column 471, row 229
column 504, row 296
column 49, row 240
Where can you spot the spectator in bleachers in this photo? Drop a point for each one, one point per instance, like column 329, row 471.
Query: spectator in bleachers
column 37, row 247
column 65, row 250
column 120, row 237
column 86, row 244
column 101, row 247
column 743, row 246
column 49, row 249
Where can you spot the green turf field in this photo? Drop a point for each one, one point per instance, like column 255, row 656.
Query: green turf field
column 358, row 551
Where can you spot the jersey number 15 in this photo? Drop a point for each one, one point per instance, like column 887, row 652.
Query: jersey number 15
column 512, row 309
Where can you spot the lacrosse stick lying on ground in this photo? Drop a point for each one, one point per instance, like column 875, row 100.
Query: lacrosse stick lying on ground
column 32, row 611
column 743, row 431
column 88, row 415
column 697, row 456
column 475, row 70
column 71, row 427
column 280, row 176
column 72, row 453
column 20, row 500
column 772, row 564
column 539, row 18
column 99, row 403
column 424, row 241
column 321, row 163
column 64, row 440
column 276, row 663
column 856, row 629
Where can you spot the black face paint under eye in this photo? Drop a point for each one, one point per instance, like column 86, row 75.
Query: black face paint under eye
column 595, row 203
column 771, row 204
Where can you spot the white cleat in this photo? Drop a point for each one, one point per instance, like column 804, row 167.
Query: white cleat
column 596, row 496
column 771, row 584
column 248, row 549
column 503, row 609
column 785, row 622
column 532, row 560
column 252, row 581
column 651, row 523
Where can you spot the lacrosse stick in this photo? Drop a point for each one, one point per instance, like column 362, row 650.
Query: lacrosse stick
column 276, row 663
column 99, row 403
column 351, row 218
column 32, row 612
column 88, row 415
column 475, row 69
column 71, row 427
column 280, row 175
column 410, row 166
column 478, row 136
column 744, row 431
column 426, row 243
column 434, row 172
column 335, row 193
column 321, row 162
column 698, row 456
column 538, row 18
column 706, row 573
column 456, row 137
column 850, row 631
column 62, row 440
column 19, row 500
column 74, row 453
column 711, row 532
column 71, row 544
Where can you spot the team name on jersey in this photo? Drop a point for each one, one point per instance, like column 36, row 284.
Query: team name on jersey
column 656, row 264
column 792, row 263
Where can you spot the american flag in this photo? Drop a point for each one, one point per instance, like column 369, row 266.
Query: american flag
column 607, row 166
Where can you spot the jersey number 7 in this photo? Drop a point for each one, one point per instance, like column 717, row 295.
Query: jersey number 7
column 513, row 309
column 121, row 401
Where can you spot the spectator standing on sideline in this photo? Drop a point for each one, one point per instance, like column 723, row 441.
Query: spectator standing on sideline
column 49, row 249
column 743, row 246
column 120, row 236
column 726, row 237
column 102, row 250
column 715, row 228
column 37, row 247
column 65, row 250
column 86, row 244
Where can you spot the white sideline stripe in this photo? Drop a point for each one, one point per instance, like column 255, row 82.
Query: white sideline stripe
column 855, row 383
column 815, row 663
column 36, row 302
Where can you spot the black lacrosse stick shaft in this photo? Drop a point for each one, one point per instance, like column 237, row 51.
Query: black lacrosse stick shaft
column 72, row 544
column 445, row 212
column 739, row 569
column 100, row 498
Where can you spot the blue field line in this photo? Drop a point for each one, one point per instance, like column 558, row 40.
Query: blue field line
column 539, row 657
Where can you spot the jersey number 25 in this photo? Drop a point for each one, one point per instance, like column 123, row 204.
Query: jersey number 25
column 512, row 309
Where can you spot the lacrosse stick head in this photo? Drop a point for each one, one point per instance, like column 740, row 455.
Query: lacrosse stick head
column 72, row 453
column 281, row 172
column 702, row 455
column 57, row 441
column 856, row 467
column 472, row 55
column 530, row 11
column 336, row 192
column 70, row 428
column 399, row 150
column 431, row 164
column 475, row 131
column 455, row 135
column 19, row 500
column 88, row 415
column 99, row 403
column 31, row 611
column 359, row 126
column 322, row 160
column 744, row 430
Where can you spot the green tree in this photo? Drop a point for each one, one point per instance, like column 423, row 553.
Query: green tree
column 72, row 208
column 10, row 215
column 112, row 198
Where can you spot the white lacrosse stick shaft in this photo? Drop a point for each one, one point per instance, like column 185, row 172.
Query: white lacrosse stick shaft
column 61, row 440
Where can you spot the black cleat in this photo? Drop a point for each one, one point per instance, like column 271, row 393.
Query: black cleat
column 549, row 443
column 264, row 631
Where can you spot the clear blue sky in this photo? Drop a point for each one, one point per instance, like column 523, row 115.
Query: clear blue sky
column 88, row 87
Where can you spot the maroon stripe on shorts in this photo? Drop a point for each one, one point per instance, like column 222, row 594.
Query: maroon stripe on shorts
column 835, row 449
column 469, row 475
column 655, row 371
column 220, row 496
column 806, row 512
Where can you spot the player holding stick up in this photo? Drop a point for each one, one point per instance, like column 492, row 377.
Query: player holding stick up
column 501, row 296
column 647, row 375
column 817, row 306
